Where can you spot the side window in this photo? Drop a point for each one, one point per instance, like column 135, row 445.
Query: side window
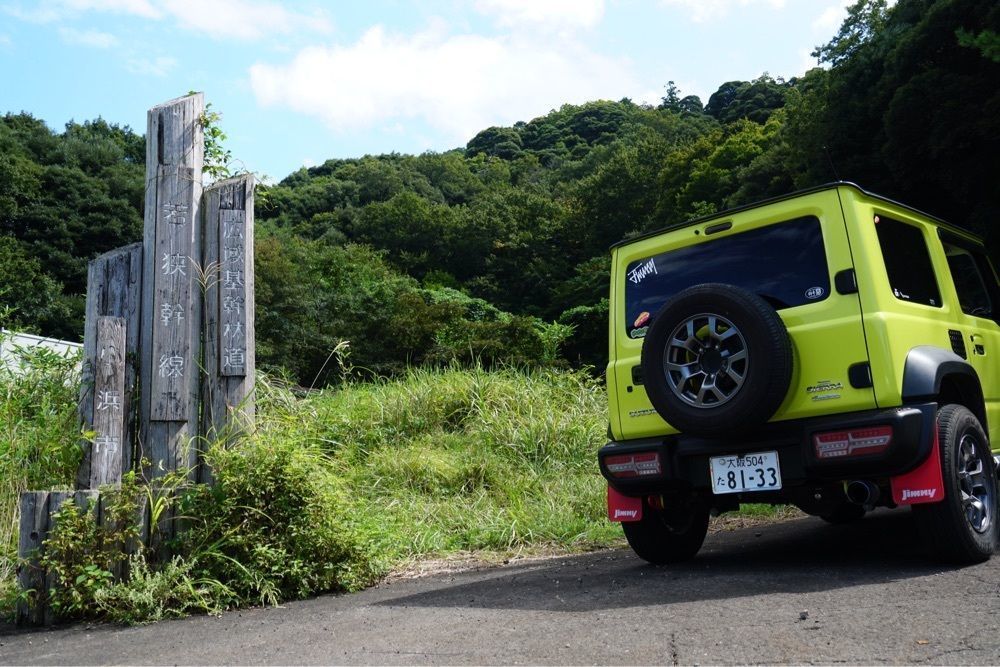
column 970, row 272
column 907, row 261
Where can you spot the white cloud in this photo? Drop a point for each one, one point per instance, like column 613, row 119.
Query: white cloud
column 5, row 41
column 458, row 84
column 806, row 61
column 47, row 11
column 546, row 14
column 92, row 38
column 142, row 8
column 240, row 19
column 243, row 19
column 829, row 21
column 701, row 11
column 832, row 17
column 159, row 66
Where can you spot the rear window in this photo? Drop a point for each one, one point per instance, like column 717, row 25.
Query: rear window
column 784, row 263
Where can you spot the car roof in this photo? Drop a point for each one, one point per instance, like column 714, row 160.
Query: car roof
column 792, row 195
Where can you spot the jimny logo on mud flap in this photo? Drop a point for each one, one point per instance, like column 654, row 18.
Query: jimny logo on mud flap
column 626, row 514
column 919, row 493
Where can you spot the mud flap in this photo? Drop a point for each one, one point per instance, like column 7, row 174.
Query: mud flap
column 623, row 508
column 923, row 484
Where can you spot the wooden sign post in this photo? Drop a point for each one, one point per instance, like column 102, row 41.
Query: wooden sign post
column 171, row 292
column 114, row 286
column 229, row 353
column 176, row 313
column 109, row 394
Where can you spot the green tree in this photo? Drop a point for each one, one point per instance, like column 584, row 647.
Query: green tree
column 866, row 19
column 752, row 100
column 986, row 42
column 501, row 142
column 34, row 299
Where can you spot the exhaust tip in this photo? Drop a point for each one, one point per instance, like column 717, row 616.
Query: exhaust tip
column 862, row 492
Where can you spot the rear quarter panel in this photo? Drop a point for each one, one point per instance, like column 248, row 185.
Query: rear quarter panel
column 893, row 326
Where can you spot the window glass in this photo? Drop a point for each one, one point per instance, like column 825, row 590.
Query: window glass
column 784, row 263
column 907, row 261
column 973, row 295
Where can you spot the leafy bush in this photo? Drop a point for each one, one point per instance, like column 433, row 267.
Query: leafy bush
column 170, row 590
column 77, row 559
column 275, row 525
column 81, row 555
column 39, row 435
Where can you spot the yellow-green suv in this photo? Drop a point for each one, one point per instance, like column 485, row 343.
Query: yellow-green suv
column 831, row 349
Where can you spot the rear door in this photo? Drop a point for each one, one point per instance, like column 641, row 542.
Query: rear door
column 790, row 253
column 977, row 289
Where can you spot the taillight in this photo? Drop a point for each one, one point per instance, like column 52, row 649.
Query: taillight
column 633, row 465
column 853, row 442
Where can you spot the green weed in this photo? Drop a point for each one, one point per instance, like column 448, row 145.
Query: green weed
column 39, row 433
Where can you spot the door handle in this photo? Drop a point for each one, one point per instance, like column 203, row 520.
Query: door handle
column 978, row 344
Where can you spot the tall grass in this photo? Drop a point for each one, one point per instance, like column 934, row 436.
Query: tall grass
column 39, row 434
column 458, row 459
column 335, row 488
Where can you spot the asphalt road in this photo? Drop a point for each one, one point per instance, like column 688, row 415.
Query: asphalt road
column 797, row 592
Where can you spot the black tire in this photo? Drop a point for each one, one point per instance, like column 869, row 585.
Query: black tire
column 669, row 535
column 963, row 527
column 846, row 512
column 703, row 378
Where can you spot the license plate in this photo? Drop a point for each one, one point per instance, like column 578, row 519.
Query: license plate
column 745, row 472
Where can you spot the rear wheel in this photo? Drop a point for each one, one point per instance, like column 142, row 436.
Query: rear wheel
column 669, row 535
column 962, row 528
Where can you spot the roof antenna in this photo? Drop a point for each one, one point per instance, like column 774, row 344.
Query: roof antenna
column 829, row 159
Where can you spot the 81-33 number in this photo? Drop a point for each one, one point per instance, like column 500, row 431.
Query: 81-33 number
column 759, row 477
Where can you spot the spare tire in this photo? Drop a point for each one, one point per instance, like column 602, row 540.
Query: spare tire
column 716, row 359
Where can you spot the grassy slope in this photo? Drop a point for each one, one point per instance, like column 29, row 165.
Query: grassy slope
column 437, row 462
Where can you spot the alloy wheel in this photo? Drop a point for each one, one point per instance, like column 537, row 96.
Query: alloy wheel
column 706, row 360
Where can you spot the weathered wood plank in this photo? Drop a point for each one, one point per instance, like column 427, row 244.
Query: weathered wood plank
column 109, row 392
column 33, row 529
column 233, row 298
column 174, row 140
column 230, row 351
column 37, row 522
column 173, row 358
column 88, row 500
column 114, row 283
column 133, row 546
column 116, row 525
column 56, row 500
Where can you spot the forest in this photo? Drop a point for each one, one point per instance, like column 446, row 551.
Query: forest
column 496, row 252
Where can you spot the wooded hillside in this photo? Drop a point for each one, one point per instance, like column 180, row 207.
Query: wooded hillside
column 495, row 250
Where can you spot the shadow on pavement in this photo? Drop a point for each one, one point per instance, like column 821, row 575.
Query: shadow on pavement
column 802, row 555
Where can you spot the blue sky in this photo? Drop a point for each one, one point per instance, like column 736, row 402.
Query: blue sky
column 300, row 82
